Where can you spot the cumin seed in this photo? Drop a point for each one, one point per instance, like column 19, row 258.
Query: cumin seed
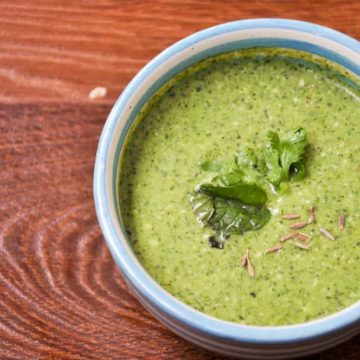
column 250, row 268
column 301, row 245
column 303, row 237
column 274, row 248
column 298, row 225
column 312, row 215
column 342, row 222
column 326, row 233
column 288, row 236
column 290, row 216
column 244, row 260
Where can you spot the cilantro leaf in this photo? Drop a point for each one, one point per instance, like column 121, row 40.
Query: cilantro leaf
column 274, row 140
column 283, row 156
column 292, row 149
column 252, row 168
column 297, row 171
column 246, row 158
column 274, row 169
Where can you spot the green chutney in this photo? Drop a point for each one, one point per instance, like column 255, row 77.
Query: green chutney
column 210, row 111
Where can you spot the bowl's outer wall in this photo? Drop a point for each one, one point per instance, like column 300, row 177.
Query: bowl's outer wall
column 224, row 337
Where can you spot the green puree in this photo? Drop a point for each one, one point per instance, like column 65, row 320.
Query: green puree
column 208, row 113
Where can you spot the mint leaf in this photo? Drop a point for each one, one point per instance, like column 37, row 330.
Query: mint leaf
column 231, row 185
column 203, row 207
column 218, row 240
column 233, row 216
column 246, row 193
column 227, row 216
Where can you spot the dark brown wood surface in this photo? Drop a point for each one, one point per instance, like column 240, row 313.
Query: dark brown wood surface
column 61, row 296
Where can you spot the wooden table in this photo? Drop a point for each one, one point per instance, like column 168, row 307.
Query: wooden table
column 61, row 296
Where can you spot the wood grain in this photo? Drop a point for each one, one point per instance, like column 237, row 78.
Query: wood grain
column 61, row 296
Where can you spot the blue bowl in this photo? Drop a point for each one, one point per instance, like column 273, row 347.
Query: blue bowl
column 265, row 342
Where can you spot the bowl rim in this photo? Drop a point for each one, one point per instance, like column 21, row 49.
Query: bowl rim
column 137, row 275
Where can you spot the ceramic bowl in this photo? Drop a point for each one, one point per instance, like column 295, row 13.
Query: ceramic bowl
column 208, row 332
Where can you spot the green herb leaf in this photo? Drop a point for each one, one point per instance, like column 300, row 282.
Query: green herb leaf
column 253, row 169
column 233, row 216
column 292, row 149
column 231, row 185
column 229, row 177
column 218, row 240
column 283, row 156
column 203, row 207
column 246, row 158
column 274, row 140
column 214, row 165
column 297, row 171
column 274, row 173
column 246, row 193
column 226, row 216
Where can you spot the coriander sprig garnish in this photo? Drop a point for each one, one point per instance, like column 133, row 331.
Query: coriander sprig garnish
column 284, row 156
column 234, row 200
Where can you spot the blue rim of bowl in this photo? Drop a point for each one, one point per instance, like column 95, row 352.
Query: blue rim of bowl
column 130, row 267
